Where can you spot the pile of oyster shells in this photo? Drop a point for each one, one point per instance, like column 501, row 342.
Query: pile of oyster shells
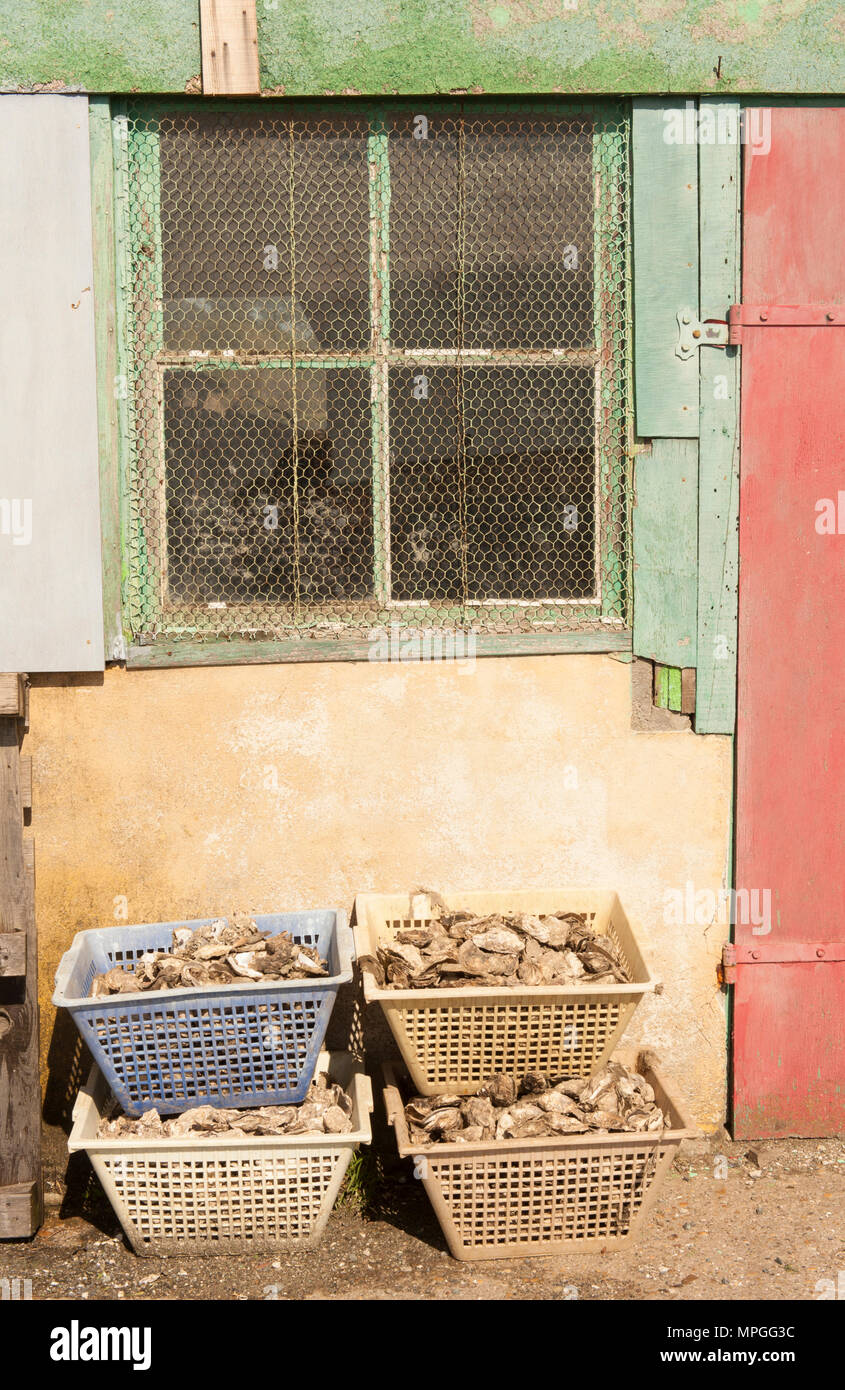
column 327, row 1109
column 615, row 1100
column 219, row 953
column 460, row 948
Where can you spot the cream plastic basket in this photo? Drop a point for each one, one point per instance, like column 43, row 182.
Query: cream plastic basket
column 497, row 1200
column 456, row 1038
column 223, row 1196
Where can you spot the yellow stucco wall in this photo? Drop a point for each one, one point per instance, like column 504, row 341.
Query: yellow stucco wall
column 193, row 792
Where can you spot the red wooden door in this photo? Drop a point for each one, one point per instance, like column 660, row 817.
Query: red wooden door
column 789, row 997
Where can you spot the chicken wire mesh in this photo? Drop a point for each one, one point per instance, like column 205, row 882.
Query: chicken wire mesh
column 376, row 368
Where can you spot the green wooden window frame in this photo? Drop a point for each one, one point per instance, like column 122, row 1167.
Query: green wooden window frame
column 140, row 582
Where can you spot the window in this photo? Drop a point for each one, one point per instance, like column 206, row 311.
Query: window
column 376, row 368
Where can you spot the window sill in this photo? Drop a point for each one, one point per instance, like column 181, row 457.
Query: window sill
column 238, row 652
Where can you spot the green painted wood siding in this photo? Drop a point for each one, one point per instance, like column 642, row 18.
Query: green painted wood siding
column 666, row 552
column 665, row 244
column 718, row 507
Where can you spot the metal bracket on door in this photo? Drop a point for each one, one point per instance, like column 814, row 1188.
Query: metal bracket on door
column 776, row 953
column 782, row 316
column 695, row 333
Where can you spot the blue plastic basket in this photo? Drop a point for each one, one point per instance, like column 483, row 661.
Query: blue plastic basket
column 230, row 1045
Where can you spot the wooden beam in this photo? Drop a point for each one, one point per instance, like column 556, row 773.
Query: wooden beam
column 20, row 1210
column 688, row 690
column 26, row 783
column 20, row 1084
column 229, row 35
column 12, row 694
column 237, row 651
column 110, row 393
column 12, row 954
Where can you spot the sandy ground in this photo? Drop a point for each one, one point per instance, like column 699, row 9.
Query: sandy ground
column 732, row 1223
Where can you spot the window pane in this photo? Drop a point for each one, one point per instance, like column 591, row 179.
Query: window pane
column 226, row 232
column 527, row 519
column 233, row 532
column 513, row 200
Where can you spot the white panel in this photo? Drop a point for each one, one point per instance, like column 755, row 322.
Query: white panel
column 51, row 616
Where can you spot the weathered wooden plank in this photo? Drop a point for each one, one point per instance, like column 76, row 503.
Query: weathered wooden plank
column 111, row 388
column 229, row 36
column 665, row 535
column 20, row 1210
column 665, row 237
column 718, row 512
column 20, row 1089
column 360, row 649
column 12, row 693
column 12, row 954
column 51, row 575
column 26, row 783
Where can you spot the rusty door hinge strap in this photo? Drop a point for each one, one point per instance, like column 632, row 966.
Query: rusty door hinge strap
column 777, row 953
column 786, row 952
column 742, row 316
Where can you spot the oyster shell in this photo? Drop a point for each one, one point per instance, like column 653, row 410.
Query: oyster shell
column 613, row 1102
column 327, row 1109
column 459, row 949
column 500, row 940
column 216, row 953
column 501, row 1089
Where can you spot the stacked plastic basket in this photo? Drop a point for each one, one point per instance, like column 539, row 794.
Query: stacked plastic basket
column 259, row 1044
column 227, row 1046
column 531, row 1196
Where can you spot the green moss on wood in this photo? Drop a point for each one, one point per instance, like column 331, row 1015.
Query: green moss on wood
column 412, row 46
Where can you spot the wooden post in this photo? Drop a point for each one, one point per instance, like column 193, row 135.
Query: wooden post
column 20, row 1088
column 229, row 41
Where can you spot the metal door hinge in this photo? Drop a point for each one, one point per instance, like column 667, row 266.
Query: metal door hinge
column 726, row 969
column 742, row 316
column 695, row 333
column 759, row 952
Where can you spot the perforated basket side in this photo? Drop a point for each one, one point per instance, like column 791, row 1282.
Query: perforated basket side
column 537, row 1201
column 229, row 1045
column 229, row 1195
column 458, row 1044
column 224, row 1048
column 457, row 1037
column 219, row 1201
column 541, row 1196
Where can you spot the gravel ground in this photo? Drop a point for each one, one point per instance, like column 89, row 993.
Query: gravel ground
column 732, row 1223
